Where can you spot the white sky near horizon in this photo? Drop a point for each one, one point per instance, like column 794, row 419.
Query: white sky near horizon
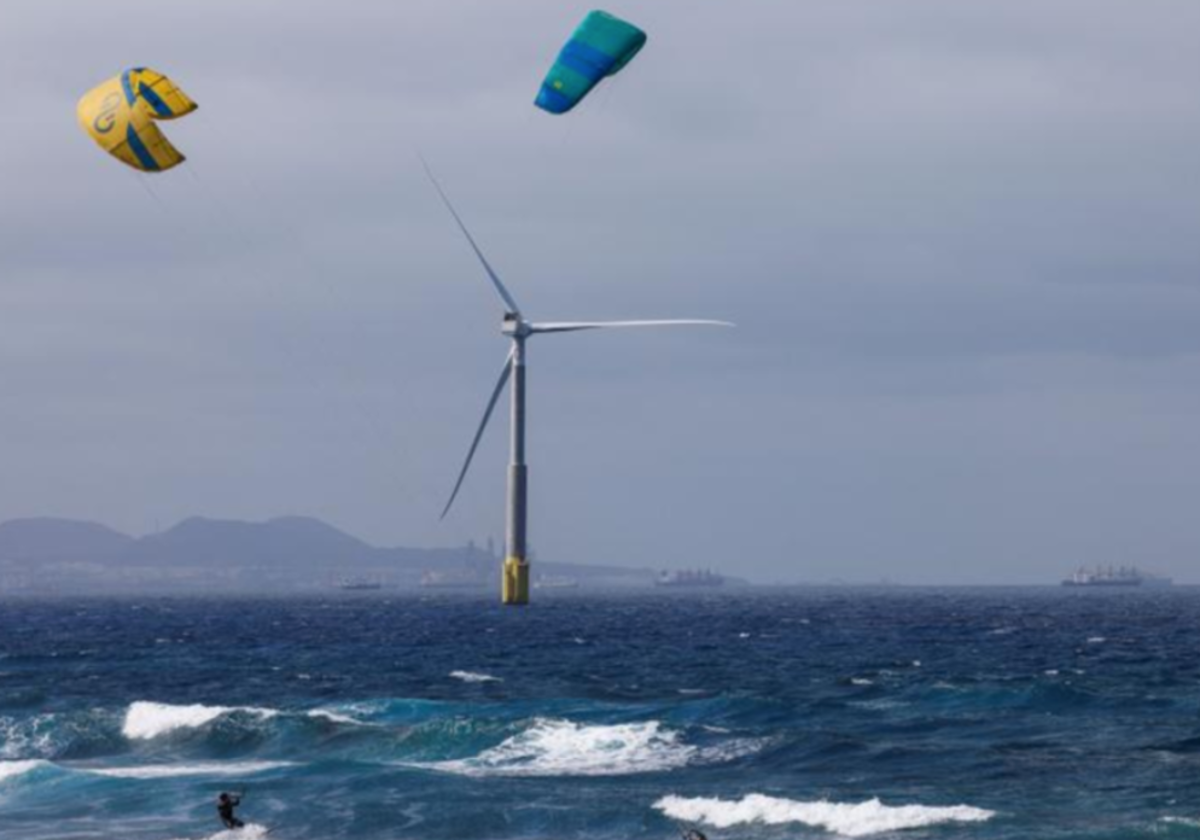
column 960, row 242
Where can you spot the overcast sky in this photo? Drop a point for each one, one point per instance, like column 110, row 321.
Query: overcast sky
column 960, row 241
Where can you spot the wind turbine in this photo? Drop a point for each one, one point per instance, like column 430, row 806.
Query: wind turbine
column 515, row 587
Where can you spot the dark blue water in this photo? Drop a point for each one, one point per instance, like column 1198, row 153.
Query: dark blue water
column 920, row 714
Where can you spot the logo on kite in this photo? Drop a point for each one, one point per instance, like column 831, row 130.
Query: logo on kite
column 119, row 115
column 600, row 47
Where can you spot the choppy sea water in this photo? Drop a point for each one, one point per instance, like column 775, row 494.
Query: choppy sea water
column 805, row 714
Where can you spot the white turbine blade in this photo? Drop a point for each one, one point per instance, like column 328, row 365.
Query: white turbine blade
column 575, row 326
column 509, row 302
column 487, row 415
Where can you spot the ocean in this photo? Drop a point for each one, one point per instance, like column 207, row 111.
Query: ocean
column 939, row 713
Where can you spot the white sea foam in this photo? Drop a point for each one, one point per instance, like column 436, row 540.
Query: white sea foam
column 1097, row 640
column 861, row 681
column 211, row 768
column 13, row 769
column 1190, row 822
column 847, row 819
column 474, row 677
column 251, row 831
column 30, row 736
column 564, row 748
column 145, row 720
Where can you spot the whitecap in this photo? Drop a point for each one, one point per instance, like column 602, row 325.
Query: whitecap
column 1097, row 640
column 474, row 677
column 210, row 768
column 1190, row 822
column 847, row 819
column 565, row 748
column 334, row 717
column 145, row 720
column 861, row 681
column 13, row 769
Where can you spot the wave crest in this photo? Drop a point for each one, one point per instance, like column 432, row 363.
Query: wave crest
column 212, row 768
column 474, row 677
column 13, row 769
column 848, row 819
column 145, row 720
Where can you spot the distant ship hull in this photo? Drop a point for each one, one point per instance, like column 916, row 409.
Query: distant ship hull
column 452, row 580
column 359, row 586
column 1110, row 577
column 1101, row 584
column 689, row 580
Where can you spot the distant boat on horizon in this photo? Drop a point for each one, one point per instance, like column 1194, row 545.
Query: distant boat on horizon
column 555, row 582
column 1114, row 576
column 358, row 584
column 456, row 579
column 687, row 578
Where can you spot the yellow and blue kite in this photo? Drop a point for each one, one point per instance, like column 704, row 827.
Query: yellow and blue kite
column 119, row 115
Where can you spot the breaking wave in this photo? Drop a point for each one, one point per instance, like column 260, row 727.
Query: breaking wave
column 848, row 819
column 565, row 748
column 13, row 769
column 145, row 720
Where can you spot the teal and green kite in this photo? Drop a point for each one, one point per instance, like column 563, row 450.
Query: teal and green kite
column 600, row 47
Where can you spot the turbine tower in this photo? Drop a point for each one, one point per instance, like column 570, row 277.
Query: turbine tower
column 515, row 587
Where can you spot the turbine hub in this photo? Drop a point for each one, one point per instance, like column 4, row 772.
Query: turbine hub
column 515, row 325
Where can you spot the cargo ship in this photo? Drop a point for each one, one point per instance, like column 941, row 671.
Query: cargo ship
column 687, row 578
column 1115, row 576
column 555, row 582
column 359, row 584
column 455, row 579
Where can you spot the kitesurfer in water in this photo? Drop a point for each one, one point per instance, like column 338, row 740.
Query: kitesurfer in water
column 226, row 802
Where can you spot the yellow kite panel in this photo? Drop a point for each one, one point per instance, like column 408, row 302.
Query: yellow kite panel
column 119, row 115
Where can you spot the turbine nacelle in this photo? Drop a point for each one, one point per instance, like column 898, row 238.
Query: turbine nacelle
column 515, row 325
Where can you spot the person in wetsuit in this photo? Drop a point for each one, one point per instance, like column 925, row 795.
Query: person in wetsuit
column 226, row 802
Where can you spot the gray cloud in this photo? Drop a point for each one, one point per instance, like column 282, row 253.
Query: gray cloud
column 959, row 241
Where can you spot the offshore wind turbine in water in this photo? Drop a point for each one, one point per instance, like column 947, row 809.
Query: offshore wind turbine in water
column 515, row 586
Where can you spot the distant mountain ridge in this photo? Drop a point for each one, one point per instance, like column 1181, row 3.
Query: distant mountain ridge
column 49, row 538
column 200, row 554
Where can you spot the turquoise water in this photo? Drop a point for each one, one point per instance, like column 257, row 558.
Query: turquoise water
column 889, row 713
